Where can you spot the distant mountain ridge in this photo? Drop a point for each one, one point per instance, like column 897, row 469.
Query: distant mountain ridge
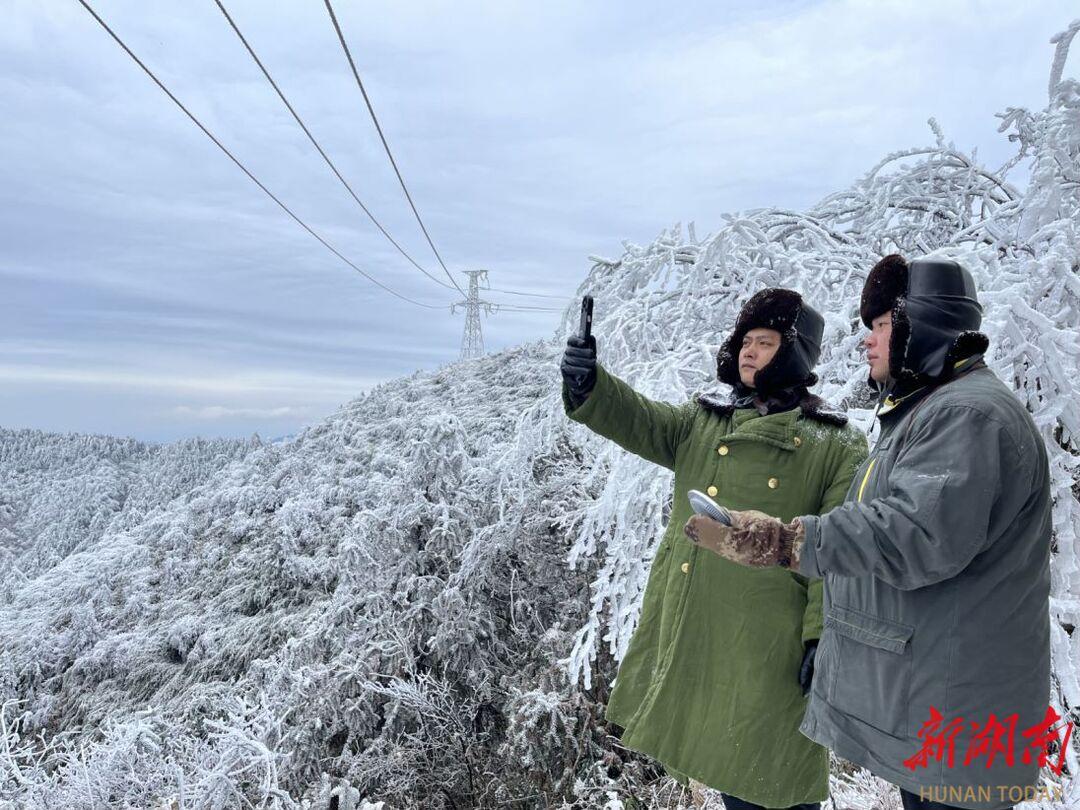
column 61, row 492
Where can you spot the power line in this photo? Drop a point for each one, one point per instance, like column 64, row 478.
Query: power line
column 514, row 308
column 244, row 168
column 337, row 173
column 533, row 295
column 326, row 158
column 390, row 155
column 386, row 146
column 321, row 151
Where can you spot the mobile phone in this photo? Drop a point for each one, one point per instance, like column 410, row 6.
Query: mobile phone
column 585, row 329
column 704, row 505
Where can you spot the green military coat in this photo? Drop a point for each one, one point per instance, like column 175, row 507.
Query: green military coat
column 709, row 683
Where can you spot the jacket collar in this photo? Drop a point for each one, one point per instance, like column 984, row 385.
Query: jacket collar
column 811, row 406
column 960, row 368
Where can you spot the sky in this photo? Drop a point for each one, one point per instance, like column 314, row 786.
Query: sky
column 148, row 288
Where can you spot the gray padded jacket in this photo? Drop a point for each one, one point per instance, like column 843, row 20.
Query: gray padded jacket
column 937, row 581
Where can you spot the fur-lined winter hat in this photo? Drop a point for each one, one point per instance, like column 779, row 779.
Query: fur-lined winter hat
column 935, row 315
column 887, row 281
column 800, row 327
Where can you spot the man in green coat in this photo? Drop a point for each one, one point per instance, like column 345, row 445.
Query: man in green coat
column 713, row 683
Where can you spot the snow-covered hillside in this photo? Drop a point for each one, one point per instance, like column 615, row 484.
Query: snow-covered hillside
column 60, row 493
column 422, row 598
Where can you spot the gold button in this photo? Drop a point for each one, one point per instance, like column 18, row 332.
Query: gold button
column 773, row 483
column 722, row 450
column 685, row 568
column 712, row 491
column 797, row 441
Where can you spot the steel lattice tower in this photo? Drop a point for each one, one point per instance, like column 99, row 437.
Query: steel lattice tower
column 472, row 342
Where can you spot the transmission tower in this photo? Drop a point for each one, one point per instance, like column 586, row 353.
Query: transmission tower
column 472, row 342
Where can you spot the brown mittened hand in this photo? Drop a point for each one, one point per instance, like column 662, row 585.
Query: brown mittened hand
column 754, row 539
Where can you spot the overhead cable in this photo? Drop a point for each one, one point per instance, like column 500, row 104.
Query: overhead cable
column 515, row 308
column 341, row 178
column 532, row 295
column 244, row 169
column 321, row 151
column 386, row 146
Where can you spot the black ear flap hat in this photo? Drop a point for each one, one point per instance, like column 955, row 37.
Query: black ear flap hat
column 800, row 327
column 935, row 316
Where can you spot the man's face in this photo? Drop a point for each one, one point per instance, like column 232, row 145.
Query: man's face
column 877, row 346
column 758, row 347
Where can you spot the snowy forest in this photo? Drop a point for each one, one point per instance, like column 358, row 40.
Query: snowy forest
column 421, row 601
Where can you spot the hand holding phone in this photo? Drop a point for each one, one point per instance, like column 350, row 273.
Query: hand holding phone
column 579, row 360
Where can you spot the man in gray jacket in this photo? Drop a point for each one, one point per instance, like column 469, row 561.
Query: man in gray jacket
column 933, row 671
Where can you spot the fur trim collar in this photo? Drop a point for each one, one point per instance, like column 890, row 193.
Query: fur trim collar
column 812, row 406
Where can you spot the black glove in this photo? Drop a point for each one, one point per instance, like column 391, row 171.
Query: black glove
column 806, row 671
column 579, row 367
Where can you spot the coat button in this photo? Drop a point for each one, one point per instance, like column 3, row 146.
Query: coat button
column 722, row 450
column 712, row 492
column 797, row 441
column 685, row 568
column 773, row 483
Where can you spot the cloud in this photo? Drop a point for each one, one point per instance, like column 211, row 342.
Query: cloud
column 239, row 384
column 210, row 412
